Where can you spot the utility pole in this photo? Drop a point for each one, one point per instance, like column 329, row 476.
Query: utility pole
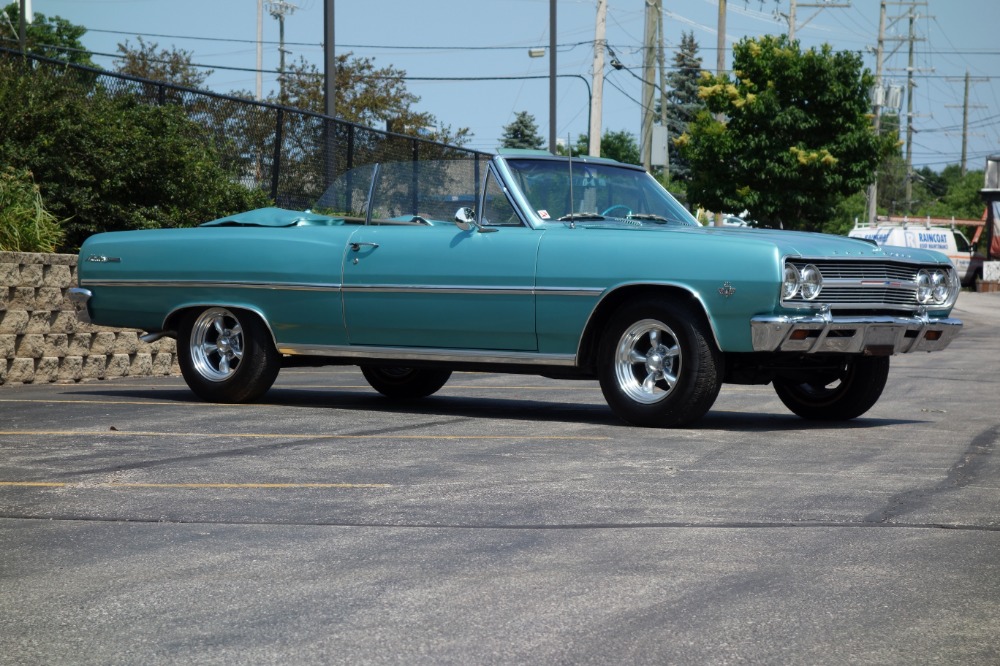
column 911, row 38
column 663, row 90
column 329, row 60
column 648, row 72
column 22, row 32
column 596, row 100
column 720, row 57
column 872, row 210
column 911, row 16
column 965, row 113
column 793, row 6
column 278, row 9
column 909, row 114
column 553, row 130
column 260, row 50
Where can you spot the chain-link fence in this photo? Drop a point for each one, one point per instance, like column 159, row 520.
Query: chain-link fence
column 291, row 154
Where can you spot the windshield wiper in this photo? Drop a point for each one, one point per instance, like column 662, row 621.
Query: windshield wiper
column 581, row 216
column 650, row 217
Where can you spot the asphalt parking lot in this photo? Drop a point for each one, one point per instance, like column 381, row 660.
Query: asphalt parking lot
column 507, row 519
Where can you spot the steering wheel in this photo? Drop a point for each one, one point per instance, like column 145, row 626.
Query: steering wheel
column 628, row 211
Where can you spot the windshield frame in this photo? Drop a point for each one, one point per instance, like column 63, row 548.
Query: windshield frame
column 507, row 166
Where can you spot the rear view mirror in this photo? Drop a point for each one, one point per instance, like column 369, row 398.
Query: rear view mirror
column 465, row 218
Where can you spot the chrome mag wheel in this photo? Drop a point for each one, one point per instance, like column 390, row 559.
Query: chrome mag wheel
column 648, row 362
column 216, row 344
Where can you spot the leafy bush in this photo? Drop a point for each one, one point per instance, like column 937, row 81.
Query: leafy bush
column 25, row 225
column 107, row 162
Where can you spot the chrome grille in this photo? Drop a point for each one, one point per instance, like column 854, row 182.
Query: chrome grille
column 864, row 284
column 867, row 270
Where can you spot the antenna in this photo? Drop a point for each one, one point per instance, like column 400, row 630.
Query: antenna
column 569, row 148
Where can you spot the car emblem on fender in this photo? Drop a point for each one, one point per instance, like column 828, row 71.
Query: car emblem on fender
column 727, row 289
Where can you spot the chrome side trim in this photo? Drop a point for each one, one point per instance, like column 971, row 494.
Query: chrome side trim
column 434, row 289
column 439, row 355
column 353, row 288
column 204, row 284
column 823, row 333
column 480, row 290
column 569, row 291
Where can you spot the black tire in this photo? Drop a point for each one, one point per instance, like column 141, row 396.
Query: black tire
column 226, row 355
column 657, row 364
column 844, row 394
column 401, row 383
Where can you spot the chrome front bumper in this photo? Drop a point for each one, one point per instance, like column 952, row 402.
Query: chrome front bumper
column 875, row 335
column 79, row 297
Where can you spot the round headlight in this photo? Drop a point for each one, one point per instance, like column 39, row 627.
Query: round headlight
column 790, row 283
column 924, row 287
column 940, row 287
column 812, row 282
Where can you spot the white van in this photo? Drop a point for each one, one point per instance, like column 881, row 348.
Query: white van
column 948, row 241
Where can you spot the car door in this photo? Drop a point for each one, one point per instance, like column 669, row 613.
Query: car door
column 438, row 286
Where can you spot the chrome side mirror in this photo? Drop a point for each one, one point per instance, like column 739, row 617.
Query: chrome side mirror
column 465, row 218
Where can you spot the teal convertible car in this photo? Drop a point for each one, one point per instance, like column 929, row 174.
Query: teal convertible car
column 525, row 263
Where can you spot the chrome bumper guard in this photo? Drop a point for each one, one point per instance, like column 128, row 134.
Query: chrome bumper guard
column 875, row 335
column 79, row 297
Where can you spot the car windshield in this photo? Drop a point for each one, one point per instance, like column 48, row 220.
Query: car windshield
column 597, row 192
column 417, row 191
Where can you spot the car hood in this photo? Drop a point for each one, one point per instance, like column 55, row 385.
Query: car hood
column 795, row 243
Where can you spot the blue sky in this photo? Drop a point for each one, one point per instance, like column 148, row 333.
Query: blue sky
column 490, row 38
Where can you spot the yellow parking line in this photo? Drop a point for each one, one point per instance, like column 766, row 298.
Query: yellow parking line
column 38, row 484
column 257, row 435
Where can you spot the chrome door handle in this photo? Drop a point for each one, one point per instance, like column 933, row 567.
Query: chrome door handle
column 357, row 246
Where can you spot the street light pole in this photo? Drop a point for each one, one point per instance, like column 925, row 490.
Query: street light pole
column 329, row 59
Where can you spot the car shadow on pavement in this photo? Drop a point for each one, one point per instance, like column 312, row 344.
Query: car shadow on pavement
column 501, row 408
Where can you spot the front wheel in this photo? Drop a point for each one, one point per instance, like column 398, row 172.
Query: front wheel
column 403, row 383
column 842, row 393
column 226, row 355
column 657, row 364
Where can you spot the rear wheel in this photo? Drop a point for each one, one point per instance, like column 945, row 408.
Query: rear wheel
column 404, row 383
column 839, row 394
column 226, row 355
column 657, row 364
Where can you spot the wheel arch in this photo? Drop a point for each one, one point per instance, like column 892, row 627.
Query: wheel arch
column 612, row 300
column 172, row 321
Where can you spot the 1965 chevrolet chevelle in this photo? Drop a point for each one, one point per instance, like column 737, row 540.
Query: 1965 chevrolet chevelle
column 526, row 263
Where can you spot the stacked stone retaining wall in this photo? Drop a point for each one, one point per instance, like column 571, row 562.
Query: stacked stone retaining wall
column 41, row 339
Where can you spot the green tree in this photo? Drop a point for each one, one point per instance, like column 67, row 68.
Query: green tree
column 683, row 102
column 170, row 66
column 49, row 37
column 891, row 170
column 621, row 146
column 788, row 138
column 367, row 95
column 105, row 162
column 950, row 194
column 522, row 132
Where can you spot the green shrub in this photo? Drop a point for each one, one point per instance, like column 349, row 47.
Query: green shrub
column 25, row 225
column 106, row 161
